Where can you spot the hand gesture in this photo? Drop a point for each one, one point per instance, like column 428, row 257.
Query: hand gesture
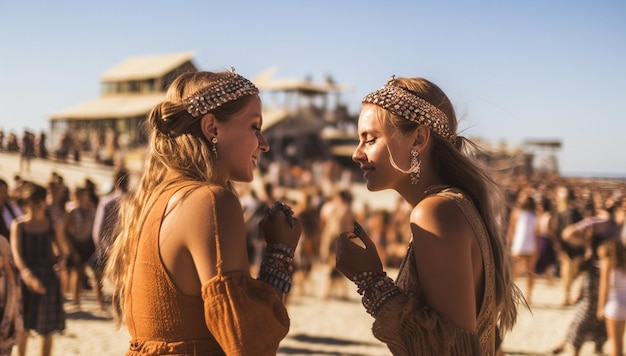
column 357, row 253
column 280, row 226
column 33, row 283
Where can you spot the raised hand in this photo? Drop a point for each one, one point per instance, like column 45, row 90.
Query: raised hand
column 280, row 226
column 357, row 253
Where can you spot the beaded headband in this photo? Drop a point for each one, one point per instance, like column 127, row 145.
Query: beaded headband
column 229, row 88
column 407, row 105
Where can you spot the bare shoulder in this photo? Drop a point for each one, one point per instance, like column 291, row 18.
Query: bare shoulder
column 217, row 204
column 440, row 216
column 205, row 198
column 206, row 192
column 200, row 210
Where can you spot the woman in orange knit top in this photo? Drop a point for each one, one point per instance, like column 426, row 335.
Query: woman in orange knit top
column 454, row 286
column 179, row 265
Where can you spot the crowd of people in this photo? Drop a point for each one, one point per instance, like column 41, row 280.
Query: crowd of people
column 47, row 244
column 103, row 147
column 205, row 238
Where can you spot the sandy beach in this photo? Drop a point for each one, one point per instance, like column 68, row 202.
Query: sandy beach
column 318, row 327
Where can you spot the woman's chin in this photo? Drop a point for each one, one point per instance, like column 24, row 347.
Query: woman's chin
column 373, row 188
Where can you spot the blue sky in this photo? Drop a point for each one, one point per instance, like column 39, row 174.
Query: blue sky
column 515, row 70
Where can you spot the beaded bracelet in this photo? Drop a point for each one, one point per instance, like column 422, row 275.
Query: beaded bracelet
column 376, row 289
column 279, row 261
column 364, row 279
column 280, row 248
column 277, row 278
column 277, row 266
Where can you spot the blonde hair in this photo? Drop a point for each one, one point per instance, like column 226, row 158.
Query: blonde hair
column 176, row 145
column 457, row 165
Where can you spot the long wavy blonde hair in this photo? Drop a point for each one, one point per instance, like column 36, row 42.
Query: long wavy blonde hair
column 458, row 167
column 176, row 145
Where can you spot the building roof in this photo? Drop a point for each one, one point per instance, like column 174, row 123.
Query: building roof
column 272, row 117
column 265, row 82
column 145, row 67
column 111, row 107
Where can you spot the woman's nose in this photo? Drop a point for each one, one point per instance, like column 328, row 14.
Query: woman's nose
column 263, row 145
column 357, row 155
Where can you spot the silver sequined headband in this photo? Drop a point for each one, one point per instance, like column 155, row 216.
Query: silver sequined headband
column 407, row 105
column 229, row 88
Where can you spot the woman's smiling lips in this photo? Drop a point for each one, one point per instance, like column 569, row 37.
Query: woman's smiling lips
column 366, row 169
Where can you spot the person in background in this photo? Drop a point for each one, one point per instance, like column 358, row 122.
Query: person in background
column 307, row 251
column 57, row 199
column 78, row 229
column 335, row 216
column 16, row 186
column 612, row 293
column 523, row 240
column 92, row 189
column 35, row 242
column 9, row 210
column 590, row 233
column 10, row 300
column 105, row 225
column 546, row 231
column 179, row 266
column 42, row 149
column 454, row 287
column 570, row 256
column 379, row 227
column 27, row 151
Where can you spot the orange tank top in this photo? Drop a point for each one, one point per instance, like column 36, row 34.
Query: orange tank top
column 160, row 317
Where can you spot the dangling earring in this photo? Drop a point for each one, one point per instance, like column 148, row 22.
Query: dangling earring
column 214, row 148
column 415, row 167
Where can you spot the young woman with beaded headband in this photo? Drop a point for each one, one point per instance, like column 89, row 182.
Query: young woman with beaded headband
column 454, row 286
column 179, row 264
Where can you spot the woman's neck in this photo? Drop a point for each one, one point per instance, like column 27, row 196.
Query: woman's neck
column 416, row 193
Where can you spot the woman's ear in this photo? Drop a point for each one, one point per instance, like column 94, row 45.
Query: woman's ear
column 421, row 136
column 207, row 125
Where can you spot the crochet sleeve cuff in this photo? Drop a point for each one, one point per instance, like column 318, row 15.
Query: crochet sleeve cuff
column 411, row 328
column 246, row 316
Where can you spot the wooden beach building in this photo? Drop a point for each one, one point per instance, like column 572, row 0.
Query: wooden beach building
column 128, row 92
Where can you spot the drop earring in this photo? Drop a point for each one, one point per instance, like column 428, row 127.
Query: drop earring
column 415, row 167
column 214, row 148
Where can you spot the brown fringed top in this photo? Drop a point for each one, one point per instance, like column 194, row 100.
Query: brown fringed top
column 410, row 327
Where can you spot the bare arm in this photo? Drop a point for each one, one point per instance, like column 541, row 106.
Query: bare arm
column 511, row 227
column 61, row 239
column 16, row 245
column 576, row 236
column 603, row 289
